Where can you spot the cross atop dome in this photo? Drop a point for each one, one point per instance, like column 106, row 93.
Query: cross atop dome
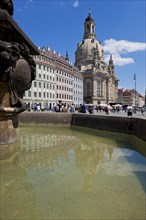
column 89, row 18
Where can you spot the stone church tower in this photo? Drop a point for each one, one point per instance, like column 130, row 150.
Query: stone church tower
column 100, row 80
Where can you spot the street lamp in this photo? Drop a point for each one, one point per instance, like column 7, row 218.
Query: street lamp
column 135, row 88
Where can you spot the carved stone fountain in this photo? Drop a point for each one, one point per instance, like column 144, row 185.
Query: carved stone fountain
column 17, row 70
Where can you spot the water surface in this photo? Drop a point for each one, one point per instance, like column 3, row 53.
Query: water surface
column 63, row 172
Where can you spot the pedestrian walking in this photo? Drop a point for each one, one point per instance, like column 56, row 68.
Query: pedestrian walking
column 142, row 111
column 129, row 110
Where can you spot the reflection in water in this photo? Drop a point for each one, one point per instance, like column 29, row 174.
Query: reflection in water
column 43, row 150
column 18, row 199
column 89, row 158
column 69, row 174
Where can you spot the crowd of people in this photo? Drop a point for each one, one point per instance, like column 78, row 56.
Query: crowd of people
column 84, row 108
column 89, row 108
column 63, row 107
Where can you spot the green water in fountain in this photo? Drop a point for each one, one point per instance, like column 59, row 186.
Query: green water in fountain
column 63, row 172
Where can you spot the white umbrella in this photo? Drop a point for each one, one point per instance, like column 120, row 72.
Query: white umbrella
column 118, row 105
column 129, row 107
column 103, row 105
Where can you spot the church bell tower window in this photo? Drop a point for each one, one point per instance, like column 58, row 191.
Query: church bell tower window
column 88, row 29
column 93, row 29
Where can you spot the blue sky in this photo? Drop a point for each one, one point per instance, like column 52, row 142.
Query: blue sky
column 120, row 26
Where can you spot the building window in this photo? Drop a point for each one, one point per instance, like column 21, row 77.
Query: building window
column 29, row 93
column 98, row 88
column 35, row 84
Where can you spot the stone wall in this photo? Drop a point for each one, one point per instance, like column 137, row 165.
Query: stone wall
column 130, row 125
column 45, row 118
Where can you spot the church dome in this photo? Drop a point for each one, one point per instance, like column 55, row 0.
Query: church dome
column 87, row 50
column 100, row 82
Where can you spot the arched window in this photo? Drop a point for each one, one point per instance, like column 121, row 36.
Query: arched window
column 88, row 28
column 92, row 28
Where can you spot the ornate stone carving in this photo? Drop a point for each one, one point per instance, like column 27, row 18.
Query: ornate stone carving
column 17, row 70
column 7, row 5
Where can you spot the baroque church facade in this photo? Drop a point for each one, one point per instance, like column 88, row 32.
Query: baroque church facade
column 99, row 79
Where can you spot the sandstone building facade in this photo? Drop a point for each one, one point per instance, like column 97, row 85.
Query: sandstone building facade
column 56, row 80
column 100, row 80
column 130, row 97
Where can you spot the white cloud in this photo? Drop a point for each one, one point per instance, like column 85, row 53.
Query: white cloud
column 76, row 4
column 116, row 48
column 123, row 46
column 118, row 60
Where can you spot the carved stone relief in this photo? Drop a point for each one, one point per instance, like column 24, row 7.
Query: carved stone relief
column 17, row 70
